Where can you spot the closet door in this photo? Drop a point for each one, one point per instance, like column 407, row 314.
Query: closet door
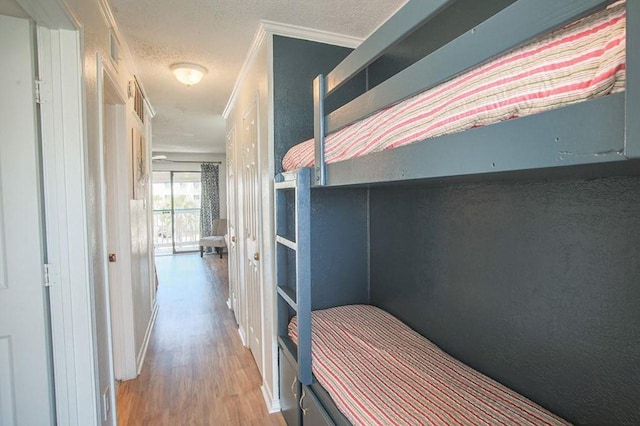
column 234, row 281
column 251, row 231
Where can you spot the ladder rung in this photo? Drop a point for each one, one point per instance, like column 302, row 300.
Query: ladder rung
column 286, row 242
column 287, row 184
column 289, row 296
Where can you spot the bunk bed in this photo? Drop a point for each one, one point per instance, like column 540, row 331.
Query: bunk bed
column 582, row 124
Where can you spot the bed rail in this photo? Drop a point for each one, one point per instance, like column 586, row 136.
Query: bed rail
column 402, row 23
column 513, row 26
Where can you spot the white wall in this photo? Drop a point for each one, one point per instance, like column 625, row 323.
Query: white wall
column 95, row 24
column 189, row 162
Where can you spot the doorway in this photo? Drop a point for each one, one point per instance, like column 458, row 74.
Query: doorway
column 176, row 212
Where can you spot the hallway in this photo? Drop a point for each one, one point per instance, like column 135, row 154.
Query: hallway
column 196, row 371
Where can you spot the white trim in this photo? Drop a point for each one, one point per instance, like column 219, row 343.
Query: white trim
column 229, row 304
column 150, row 248
column 304, row 33
column 285, row 30
column 270, row 344
column 117, row 233
column 246, row 66
column 147, row 338
column 151, row 112
column 64, row 159
column 110, row 72
column 242, row 338
column 273, row 404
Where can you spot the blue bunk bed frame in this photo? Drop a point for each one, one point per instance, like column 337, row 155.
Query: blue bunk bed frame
column 601, row 131
column 593, row 138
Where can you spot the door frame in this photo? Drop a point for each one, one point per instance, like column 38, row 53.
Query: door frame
column 60, row 57
column 116, row 226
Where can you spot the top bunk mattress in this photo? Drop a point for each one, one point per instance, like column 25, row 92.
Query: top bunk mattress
column 581, row 61
column 380, row 372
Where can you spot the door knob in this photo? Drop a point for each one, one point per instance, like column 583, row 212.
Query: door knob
column 256, row 256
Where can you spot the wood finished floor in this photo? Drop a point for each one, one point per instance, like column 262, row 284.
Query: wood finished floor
column 196, row 371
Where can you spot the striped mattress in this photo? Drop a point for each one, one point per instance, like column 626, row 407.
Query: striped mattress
column 380, row 372
column 581, row 61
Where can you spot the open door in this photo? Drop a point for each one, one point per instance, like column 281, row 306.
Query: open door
column 25, row 372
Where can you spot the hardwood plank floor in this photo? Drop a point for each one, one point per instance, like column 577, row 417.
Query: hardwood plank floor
column 196, row 371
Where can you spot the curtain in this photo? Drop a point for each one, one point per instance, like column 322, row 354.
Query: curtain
column 209, row 198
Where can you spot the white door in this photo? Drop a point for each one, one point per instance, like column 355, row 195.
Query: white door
column 251, row 218
column 232, row 222
column 25, row 376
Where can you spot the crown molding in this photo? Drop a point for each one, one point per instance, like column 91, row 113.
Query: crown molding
column 275, row 28
column 258, row 38
column 295, row 31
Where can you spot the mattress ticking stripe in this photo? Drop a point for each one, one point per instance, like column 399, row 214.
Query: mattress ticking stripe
column 380, row 372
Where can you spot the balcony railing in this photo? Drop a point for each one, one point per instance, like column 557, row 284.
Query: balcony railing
column 187, row 230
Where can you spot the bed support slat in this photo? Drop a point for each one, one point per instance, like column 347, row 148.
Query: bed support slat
column 319, row 93
column 498, row 34
column 632, row 90
column 401, row 24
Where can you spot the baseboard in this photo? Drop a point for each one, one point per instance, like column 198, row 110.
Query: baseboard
column 147, row 337
column 273, row 404
column 241, row 333
column 229, row 304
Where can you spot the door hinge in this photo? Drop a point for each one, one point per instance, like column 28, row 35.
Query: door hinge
column 47, row 275
column 42, row 92
column 50, row 275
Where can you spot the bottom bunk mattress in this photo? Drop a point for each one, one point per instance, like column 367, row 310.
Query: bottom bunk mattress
column 581, row 61
column 379, row 371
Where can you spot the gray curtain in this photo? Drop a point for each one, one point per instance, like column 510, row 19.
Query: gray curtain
column 209, row 199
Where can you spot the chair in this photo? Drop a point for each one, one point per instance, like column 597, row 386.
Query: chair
column 218, row 229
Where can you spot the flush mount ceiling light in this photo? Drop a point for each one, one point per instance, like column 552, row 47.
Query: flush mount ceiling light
column 188, row 74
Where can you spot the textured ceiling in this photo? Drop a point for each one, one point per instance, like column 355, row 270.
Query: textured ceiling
column 217, row 34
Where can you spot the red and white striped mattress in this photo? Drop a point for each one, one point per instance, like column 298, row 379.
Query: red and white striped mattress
column 380, row 372
column 581, row 61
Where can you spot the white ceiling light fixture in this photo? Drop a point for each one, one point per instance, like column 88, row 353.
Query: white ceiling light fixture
column 188, row 74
